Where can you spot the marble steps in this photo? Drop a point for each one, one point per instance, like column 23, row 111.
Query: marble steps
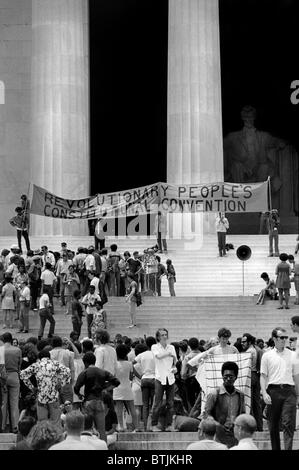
column 183, row 317
column 7, row 440
column 180, row 440
column 199, row 271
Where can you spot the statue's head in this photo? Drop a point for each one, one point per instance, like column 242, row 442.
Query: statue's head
column 248, row 115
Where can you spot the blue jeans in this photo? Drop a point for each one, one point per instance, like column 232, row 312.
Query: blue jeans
column 44, row 315
column 171, row 286
column 273, row 235
column 159, row 392
column 10, row 406
column 148, row 393
column 49, row 411
column 96, row 409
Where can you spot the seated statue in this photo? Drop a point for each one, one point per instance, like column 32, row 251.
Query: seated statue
column 251, row 155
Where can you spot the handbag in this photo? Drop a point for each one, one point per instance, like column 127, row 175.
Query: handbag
column 138, row 299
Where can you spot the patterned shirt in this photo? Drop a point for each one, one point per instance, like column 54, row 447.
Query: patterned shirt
column 50, row 375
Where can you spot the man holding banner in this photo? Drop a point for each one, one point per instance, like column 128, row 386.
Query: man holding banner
column 20, row 222
column 225, row 403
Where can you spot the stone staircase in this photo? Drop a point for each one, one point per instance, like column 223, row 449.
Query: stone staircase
column 199, row 271
column 183, row 317
column 7, row 440
column 161, row 441
column 180, row 440
column 209, row 289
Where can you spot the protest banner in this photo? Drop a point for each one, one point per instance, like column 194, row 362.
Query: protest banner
column 212, row 197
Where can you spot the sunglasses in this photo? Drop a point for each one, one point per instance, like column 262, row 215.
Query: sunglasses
column 282, row 337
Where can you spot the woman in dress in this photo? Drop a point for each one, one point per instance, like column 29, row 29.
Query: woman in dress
column 123, row 395
column 8, row 297
column 131, row 299
column 99, row 320
column 283, row 283
column 295, row 278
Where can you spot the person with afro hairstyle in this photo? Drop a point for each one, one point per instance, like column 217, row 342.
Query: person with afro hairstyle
column 283, row 283
column 225, row 403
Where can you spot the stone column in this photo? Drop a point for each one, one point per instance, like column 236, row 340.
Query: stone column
column 60, row 107
column 194, row 140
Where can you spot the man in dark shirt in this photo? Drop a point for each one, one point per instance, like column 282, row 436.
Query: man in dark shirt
column 272, row 227
column 95, row 381
column 134, row 264
column 225, row 403
column 161, row 271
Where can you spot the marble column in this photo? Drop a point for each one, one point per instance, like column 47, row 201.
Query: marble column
column 194, row 140
column 60, row 107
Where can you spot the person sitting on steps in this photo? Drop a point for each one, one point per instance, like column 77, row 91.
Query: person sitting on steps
column 269, row 291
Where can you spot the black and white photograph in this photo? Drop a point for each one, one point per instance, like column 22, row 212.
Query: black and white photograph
column 149, row 235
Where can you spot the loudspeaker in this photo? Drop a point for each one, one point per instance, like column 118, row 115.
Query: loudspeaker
column 243, row 252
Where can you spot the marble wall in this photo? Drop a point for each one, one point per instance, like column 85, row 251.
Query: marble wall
column 44, row 68
column 15, row 73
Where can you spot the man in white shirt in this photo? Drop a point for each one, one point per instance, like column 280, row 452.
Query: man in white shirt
column 165, row 362
column 24, row 299
column 146, row 362
column 244, row 428
column 44, row 315
column 94, row 281
column 105, row 354
column 280, row 389
column 47, row 257
column 74, row 425
column 90, row 264
column 48, row 280
column 222, row 226
column 222, row 348
column 62, row 270
column 207, row 431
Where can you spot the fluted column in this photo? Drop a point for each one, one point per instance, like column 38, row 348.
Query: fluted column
column 60, row 106
column 194, row 140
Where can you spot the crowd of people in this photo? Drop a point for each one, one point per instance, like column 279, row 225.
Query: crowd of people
column 83, row 281
column 67, row 393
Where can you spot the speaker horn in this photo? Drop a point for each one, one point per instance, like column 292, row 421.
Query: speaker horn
column 243, row 252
